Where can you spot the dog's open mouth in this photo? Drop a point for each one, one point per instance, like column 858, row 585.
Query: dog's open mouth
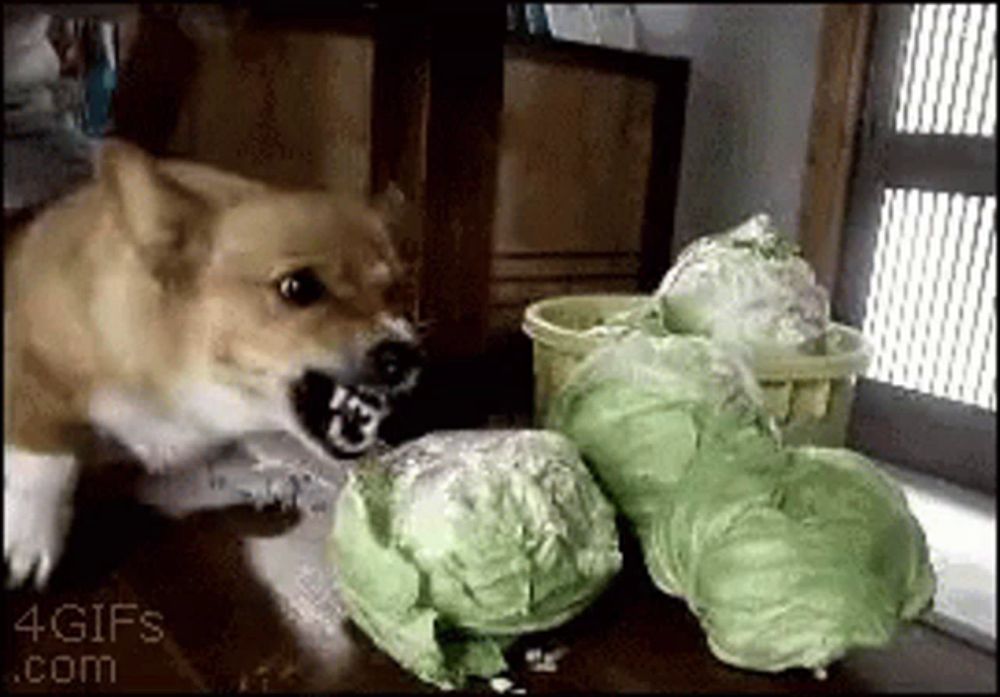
column 343, row 419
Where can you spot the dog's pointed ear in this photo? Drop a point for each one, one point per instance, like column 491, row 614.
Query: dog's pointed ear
column 217, row 188
column 153, row 211
column 129, row 177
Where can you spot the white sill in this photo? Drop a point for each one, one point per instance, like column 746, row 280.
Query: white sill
column 961, row 530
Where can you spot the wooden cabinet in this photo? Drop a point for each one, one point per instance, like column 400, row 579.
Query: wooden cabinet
column 575, row 150
column 291, row 107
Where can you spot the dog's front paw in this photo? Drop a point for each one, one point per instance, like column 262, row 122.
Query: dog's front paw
column 37, row 509
column 34, row 531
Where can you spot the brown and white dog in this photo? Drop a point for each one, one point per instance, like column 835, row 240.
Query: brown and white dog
column 175, row 307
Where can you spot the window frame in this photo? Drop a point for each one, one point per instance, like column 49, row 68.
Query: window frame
column 942, row 437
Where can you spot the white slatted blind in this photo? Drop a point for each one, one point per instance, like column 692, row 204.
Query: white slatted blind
column 931, row 306
column 949, row 79
column 931, row 310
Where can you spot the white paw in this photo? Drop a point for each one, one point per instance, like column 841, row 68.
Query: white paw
column 37, row 510
column 34, row 530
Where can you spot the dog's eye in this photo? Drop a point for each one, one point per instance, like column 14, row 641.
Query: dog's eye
column 301, row 288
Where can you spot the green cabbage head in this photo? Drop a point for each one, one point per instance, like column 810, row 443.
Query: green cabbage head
column 789, row 557
column 452, row 545
column 791, row 560
column 641, row 409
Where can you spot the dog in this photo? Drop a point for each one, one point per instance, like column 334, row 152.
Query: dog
column 175, row 307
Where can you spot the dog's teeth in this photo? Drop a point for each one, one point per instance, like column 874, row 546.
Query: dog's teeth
column 357, row 410
column 334, row 429
column 339, row 395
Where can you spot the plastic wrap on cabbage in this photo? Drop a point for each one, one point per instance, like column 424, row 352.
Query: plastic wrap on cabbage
column 792, row 561
column 641, row 408
column 747, row 286
column 646, row 317
column 450, row 546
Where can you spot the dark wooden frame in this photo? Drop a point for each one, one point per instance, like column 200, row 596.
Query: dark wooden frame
column 403, row 76
column 845, row 46
column 671, row 76
column 435, row 134
column 944, row 438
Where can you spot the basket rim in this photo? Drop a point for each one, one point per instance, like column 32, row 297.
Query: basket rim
column 561, row 338
column 851, row 361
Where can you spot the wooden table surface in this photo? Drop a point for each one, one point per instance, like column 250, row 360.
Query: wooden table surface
column 242, row 600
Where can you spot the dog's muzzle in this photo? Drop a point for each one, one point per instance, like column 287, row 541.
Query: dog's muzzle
column 396, row 365
column 345, row 416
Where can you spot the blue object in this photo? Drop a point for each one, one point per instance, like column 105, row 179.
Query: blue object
column 538, row 23
column 99, row 78
column 98, row 88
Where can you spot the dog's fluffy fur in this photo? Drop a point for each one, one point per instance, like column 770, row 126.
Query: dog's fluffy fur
column 150, row 304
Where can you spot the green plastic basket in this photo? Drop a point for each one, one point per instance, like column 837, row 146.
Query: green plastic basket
column 810, row 397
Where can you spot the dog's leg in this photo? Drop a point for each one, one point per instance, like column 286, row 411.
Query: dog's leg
column 197, row 484
column 37, row 510
column 243, row 475
column 286, row 473
column 278, row 476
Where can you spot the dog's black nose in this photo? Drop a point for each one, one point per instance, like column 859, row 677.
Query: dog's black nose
column 395, row 362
